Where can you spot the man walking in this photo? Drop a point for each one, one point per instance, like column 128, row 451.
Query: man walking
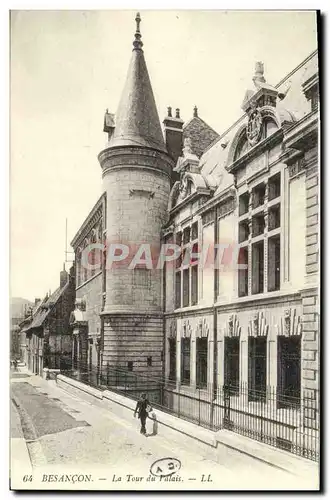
column 142, row 409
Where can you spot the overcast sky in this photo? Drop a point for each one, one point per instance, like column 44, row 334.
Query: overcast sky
column 67, row 67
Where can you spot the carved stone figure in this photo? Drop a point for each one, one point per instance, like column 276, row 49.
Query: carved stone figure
column 253, row 129
column 187, row 147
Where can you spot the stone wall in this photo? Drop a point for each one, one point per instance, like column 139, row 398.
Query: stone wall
column 91, row 292
column 311, row 318
column 136, row 211
column 312, row 213
column 134, row 338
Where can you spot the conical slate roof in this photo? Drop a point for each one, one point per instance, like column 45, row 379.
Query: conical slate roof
column 137, row 120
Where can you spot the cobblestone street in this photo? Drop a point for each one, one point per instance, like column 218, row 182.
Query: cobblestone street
column 65, row 434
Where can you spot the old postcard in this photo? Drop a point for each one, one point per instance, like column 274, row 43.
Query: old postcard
column 164, row 250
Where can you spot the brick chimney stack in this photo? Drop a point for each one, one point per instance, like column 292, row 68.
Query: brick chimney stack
column 173, row 135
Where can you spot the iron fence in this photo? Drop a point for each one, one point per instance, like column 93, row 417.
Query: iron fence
column 285, row 421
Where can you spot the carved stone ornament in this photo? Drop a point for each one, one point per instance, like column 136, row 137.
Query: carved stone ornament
column 187, row 147
column 290, row 324
column 297, row 168
column 253, row 128
column 232, row 328
column 287, row 322
column 202, row 328
column 172, row 329
column 183, row 186
column 144, row 193
column 186, row 329
column 257, row 326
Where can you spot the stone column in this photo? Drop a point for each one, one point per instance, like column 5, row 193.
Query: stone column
column 78, row 352
column 210, row 362
column 84, row 349
column 244, row 359
column 272, row 360
column 178, row 360
column 221, row 357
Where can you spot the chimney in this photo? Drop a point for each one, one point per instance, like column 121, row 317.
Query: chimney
column 173, row 134
column 36, row 301
column 63, row 277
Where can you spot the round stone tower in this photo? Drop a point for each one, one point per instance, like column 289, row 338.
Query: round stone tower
column 136, row 172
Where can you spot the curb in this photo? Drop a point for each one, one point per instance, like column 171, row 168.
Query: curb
column 35, row 451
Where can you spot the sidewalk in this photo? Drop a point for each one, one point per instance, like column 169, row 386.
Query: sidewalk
column 255, row 450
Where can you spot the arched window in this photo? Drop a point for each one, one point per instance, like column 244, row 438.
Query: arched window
column 242, row 147
column 93, row 254
column 270, row 127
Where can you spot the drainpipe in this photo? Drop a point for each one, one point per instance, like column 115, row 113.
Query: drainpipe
column 215, row 330
column 164, row 334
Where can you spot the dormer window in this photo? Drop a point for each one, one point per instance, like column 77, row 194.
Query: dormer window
column 311, row 90
column 242, row 147
column 315, row 101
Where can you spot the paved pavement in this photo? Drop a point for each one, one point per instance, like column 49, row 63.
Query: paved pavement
column 74, row 436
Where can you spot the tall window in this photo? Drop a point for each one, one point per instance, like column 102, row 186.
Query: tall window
column 232, row 364
column 185, row 361
column 259, row 228
column 185, row 287
column 92, row 256
column 257, row 367
column 178, row 272
column 84, row 267
column 243, row 274
column 258, row 267
column 79, row 269
column 178, row 289
column 186, row 274
column 201, row 362
column 194, row 285
column 288, row 371
column 274, row 248
column 172, row 353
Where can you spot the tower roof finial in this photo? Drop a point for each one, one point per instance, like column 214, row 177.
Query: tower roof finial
column 137, row 43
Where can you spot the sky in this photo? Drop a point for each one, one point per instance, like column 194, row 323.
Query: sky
column 67, row 67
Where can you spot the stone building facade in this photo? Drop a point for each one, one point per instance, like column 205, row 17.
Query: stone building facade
column 246, row 311
column 85, row 320
column 253, row 318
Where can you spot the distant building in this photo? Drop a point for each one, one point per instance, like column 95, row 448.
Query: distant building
column 15, row 338
column 46, row 335
column 18, row 309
